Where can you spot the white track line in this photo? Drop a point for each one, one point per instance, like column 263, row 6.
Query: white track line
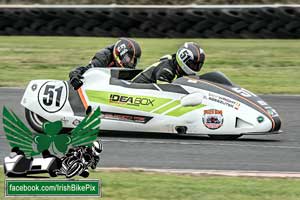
column 234, row 173
column 192, row 143
column 198, row 143
column 149, row 6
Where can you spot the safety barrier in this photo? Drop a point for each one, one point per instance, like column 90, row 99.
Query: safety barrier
column 267, row 21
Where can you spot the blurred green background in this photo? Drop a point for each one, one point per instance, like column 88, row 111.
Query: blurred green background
column 262, row 66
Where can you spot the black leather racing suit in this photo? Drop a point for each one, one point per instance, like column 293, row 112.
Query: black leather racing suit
column 165, row 70
column 103, row 58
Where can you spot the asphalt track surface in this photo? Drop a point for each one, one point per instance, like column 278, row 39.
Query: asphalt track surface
column 166, row 151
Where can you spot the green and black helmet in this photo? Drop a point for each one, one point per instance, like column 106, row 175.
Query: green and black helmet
column 190, row 58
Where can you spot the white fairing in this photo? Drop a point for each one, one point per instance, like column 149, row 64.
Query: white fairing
column 10, row 161
column 37, row 164
column 229, row 117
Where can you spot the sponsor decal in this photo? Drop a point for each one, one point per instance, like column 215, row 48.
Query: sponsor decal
column 213, row 119
column 224, row 101
column 125, row 117
column 156, row 105
column 129, row 100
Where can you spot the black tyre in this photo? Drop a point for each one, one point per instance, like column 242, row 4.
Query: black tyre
column 74, row 169
column 224, row 137
column 52, row 173
column 34, row 120
column 85, row 174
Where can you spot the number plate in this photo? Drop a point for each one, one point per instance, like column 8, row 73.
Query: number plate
column 53, row 96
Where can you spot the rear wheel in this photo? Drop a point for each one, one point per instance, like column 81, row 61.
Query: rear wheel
column 34, row 120
column 224, row 137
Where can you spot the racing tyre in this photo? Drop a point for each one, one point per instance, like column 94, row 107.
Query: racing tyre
column 224, row 137
column 85, row 174
column 52, row 173
column 34, row 120
column 74, row 169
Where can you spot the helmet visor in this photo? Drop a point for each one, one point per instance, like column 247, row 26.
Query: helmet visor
column 130, row 63
column 194, row 66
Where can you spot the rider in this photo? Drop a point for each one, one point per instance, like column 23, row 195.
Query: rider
column 124, row 53
column 188, row 60
column 88, row 156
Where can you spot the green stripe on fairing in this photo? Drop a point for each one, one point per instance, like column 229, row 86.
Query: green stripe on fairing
column 182, row 110
column 104, row 98
column 167, row 107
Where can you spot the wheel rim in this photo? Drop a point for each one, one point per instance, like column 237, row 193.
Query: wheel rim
column 36, row 120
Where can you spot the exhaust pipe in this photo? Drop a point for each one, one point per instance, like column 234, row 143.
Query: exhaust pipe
column 181, row 129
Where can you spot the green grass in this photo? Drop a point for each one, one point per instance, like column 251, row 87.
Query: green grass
column 138, row 186
column 262, row 66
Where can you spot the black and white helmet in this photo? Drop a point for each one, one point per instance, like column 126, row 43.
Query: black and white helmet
column 190, row 58
column 97, row 147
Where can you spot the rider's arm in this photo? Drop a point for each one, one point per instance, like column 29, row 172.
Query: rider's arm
column 146, row 76
column 165, row 72
column 103, row 57
column 165, row 75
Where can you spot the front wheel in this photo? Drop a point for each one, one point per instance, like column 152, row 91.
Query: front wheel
column 224, row 137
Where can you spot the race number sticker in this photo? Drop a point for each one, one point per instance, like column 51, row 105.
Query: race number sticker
column 244, row 92
column 53, row 96
column 185, row 55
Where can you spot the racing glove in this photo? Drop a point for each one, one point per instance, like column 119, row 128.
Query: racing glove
column 76, row 76
column 75, row 81
column 166, row 75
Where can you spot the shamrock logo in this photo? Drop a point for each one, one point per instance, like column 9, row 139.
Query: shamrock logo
column 52, row 139
column 18, row 135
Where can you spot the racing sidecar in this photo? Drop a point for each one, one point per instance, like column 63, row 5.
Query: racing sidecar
column 209, row 104
column 16, row 164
